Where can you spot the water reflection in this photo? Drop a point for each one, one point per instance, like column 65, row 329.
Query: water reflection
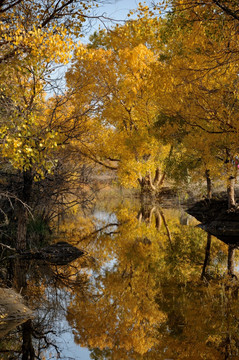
column 136, row 294
column 47, row 288
column 222, row 233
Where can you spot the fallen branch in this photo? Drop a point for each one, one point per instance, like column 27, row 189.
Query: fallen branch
column 8, row 247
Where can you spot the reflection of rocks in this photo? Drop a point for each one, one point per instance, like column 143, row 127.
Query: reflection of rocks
column 13, row 312
column 227, row 231
column 60, row 253
column 209, row 210
column 217, row 219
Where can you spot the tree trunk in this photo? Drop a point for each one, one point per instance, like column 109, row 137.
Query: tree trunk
column 22, row 211
column 230, row 262
column 146, row 214
column 209, row 184
column 151, row 186
column 231, row 192
column 207, row 256
column 22, row 216
column 159, row 179
column 28, row 352
column 154, row 211
column 20, row 270
column 157, row 176
column 167, row 229
column 157, row 220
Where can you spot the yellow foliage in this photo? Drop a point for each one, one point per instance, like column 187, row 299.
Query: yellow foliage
column 115, row 83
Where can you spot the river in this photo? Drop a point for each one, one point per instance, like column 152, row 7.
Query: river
column 136, row 293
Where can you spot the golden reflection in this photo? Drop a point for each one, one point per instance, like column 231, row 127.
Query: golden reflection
column 136, row 293
column 148, row 301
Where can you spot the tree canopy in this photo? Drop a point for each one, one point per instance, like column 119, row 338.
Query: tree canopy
column 153, row 98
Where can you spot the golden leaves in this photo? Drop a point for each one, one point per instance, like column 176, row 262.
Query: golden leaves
column 27, row 146
column 118, row 82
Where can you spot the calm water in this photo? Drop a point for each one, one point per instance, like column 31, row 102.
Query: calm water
column 136, row 294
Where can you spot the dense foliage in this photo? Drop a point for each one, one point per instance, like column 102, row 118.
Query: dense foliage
column 154, row 98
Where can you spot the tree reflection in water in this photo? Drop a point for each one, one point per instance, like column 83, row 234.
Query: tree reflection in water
column 142, row 297
column 46, row 288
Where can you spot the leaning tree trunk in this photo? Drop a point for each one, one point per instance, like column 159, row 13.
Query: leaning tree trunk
column 22, row 210
column 167, row 229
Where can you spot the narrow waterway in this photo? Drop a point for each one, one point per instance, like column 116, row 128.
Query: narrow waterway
column 136, row 293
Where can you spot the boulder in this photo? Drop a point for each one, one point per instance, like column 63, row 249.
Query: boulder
column 13, row 311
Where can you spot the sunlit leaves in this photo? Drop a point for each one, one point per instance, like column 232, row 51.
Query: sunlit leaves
column 27, row 146
column 115, row 77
